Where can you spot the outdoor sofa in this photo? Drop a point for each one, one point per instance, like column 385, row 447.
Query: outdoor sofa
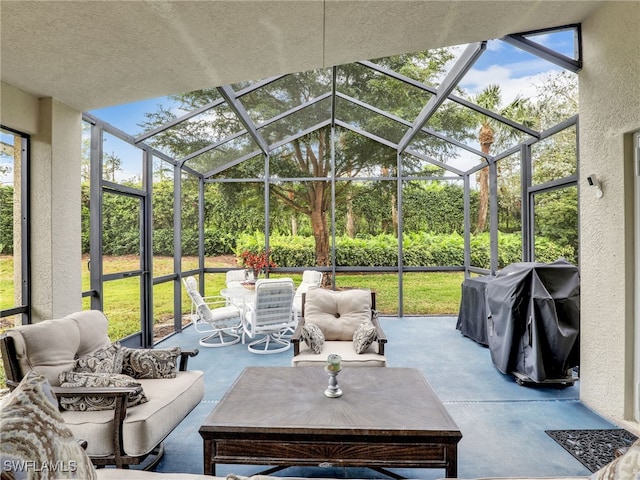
column 123, row 402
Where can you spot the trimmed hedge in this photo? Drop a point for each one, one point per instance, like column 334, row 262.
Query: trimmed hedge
column 419, row 249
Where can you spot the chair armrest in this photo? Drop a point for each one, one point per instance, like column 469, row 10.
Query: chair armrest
column 296, row 337
column 381, row 338
column 214, row 299
column 95, row 391
column 10, row 361
column 184, row 358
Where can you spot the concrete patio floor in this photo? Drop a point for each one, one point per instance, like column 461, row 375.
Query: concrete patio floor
column 503, row 424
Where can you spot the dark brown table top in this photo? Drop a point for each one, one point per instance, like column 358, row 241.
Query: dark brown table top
column 290, row 400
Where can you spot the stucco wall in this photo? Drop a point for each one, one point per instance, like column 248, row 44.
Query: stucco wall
column 55, row 221
column 609, row 109
column 18, row 109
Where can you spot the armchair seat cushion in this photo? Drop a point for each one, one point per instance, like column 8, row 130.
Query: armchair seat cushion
column 369, row 358
column 168, row 404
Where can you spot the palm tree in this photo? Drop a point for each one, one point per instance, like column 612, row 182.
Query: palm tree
column 492, row 131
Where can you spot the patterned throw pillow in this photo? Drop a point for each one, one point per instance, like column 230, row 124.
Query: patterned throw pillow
column 105, row 360
column 624, row 467
column 364, row 336
column 36, row 443
column 151, row 363
column 88, row 403
column 313, row 337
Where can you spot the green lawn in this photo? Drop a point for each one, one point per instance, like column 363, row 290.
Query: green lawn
column 424, row 293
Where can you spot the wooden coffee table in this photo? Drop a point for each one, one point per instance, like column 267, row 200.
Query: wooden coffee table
column 386, row 417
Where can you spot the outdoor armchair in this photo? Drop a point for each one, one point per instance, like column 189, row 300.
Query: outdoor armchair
column 340, row 322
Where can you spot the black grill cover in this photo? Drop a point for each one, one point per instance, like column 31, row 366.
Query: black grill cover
column 534, row 319
column 472, row 317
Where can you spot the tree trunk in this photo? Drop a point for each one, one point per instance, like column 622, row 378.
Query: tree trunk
column 483, row 200
column 394, row 213
column 485, row 138
column 351, row 224
column 319, row 225
column 321, row 236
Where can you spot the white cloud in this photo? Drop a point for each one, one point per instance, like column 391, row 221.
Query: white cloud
column 495, row 46
column 543, row 39
column 514, row 79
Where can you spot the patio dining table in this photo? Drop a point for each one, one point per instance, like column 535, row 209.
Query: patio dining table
column 239, row 296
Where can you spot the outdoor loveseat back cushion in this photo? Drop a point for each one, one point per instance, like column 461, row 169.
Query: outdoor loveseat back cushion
column 52, row 346
column 337, row 313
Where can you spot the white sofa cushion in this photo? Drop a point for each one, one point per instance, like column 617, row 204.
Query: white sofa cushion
column 92, row 325
column 51, row 347
column 54, row 345
column 169, row 402
column 337, row 313
column 369, row 358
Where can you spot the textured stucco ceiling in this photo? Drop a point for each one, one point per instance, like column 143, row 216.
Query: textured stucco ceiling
column 93, row 54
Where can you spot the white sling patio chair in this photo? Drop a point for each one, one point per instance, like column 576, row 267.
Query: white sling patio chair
column 310, row 278
column 270, row 315
column 212, row 316
column 235, row 278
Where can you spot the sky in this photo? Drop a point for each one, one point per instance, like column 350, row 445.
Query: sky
column 515, row 71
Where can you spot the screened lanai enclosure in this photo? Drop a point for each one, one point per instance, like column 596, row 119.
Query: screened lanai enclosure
column 381, row 173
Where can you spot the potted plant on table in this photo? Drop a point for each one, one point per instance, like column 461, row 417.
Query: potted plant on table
column 256, row 263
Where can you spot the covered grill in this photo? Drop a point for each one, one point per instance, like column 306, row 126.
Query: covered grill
column 533, row 327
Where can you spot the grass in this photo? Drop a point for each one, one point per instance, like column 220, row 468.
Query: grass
column 424, row 293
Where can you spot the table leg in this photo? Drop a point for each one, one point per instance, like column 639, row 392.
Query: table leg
column 451, row 470
column 209, row 466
